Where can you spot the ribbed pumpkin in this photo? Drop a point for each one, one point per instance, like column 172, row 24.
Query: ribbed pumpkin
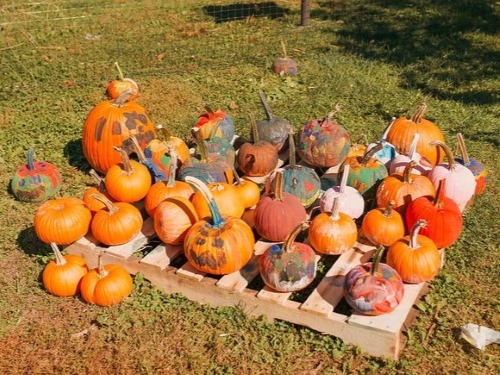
column 210, row 119
column 324, row 142
column 333, row 233
column 36, row 181
column 172, row 219
column 218, row 245
column 273, row 129
column 62, row 276
column 383, row 226
column 373, row 288
column 226, row 197
column 99, row 189
column 116, row 224
column 162, row 190
column 290, row 267
column 298, row 180
column 117, row 86
column 443, row 217
column 415, row 257
column 403, row 188
column 460, row 181
column 106, row 285
column 109, row 124
column 62, row 220
column 403, row 130
column 477, row 168
column 278, row 212
column 128, row 181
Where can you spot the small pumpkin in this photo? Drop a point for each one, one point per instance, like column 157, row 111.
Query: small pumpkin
column 248, row 191
column 273, row 129
column 210, row 119
column 357, row 148
column 220, row 146
column 118, row 86
column 284, row 64
column 373, row 288
column 333, row 233
column 290, row 267
column 226, row 197
column 383, row 225
column 160, row 148
column 477, row 168
column 172, row 219
column 62, row 276
column 99, row 189
column 106, row 285
column 399, row 163
column 217, row 245
column 62, row 220
column 415, row 257
column 36, row 181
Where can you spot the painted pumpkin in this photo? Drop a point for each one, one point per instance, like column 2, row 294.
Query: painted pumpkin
column 274, row 130
column 210, row 119
column 383, row 226
column 373, row 288
column 36, row 181
column 172, row 219
column 476, row 167
column 290, row 267
column 285, row 64
column 109, row 124
column 220, row 146
column 157, row 170
column 399, row 163
column 117, row 86
column 357, row 148
column 161, row 148
column 387, row 152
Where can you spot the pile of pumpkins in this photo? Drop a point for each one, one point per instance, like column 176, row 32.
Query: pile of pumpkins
column 407, row 190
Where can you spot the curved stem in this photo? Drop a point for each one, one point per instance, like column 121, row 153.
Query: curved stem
column 209, row 109
column 263, row 99
column 236, row 176
column 60, row 260
column 290, row 238
column 278, row 186
column 331, row 114
column 335, row 209
column 414, row 233
column 31, row 159
column 407, row 171
column 463, row 149
column 173, row 166
column 123, row 97
column 291, row 151
column 109, row 205
column 137, row 148
column 419, row 113
column 120, row 73
column 283, row 47
column 440, row 194
column 377, row 257
column 127, row 167
column 367, row 156
column 164, row 132
column 101, row 271
column 345, row 175
column 387, row 129
column 361, row 137
column 388, row 209
column 100, row 182
column 202, row 147
column 217, row 220
column 413, row 146
column 449, row 155
column 214, row 129
column 255, row 131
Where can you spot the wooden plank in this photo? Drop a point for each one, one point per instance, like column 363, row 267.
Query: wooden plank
column 270, row 295
column 162, row 255
column 189, row 272
column 141, row 239
column 237, row 282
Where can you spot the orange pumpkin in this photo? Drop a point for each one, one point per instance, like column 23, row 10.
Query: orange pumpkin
column 226, row 197
column 248, row 191
column 169, row 142
column 100, row 189
column 118, row 86
column 172, row 219
column 383, row 226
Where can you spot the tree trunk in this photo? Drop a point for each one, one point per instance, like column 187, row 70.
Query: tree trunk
column 305, row 12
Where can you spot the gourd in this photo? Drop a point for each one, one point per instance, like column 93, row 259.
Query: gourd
column 217, row 245
column 333, row 233
column 106, row 285
column 62, row 220
column 477, row 167
column 208, row 120
column 172, row 219
column 373, row 288
column 36, row 181
column 118, row 86
column 404, row 129
column 285, row 64
column 109, row 124
column 62, row 276
column 415, row 257
column 289, row 267
column 383, row 225
column 273, row 129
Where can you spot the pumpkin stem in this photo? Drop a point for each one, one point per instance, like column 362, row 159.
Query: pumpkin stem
column 440, row 194
column 104, row 200
column 414, row 233
column 120, row 73
column 335, row 209
column 31, row 159
column 291, row 151
column 101, row 270
column 263, row 99
column 283, row 47
column 217, row 220
column 215, row 128
column 123, row 97
column 449, row 155
column 173, row 166
column 361, row 138
column 331, row 114
column 407, row 171
column 377, row 257
column 463, row 149
column 98, row 179
column 278, row 186
column 164, row 132
column 137, row 148
column 388, row 209
column 202, row 147
column 387, row 129
column 419, row 113
column 209, row 109
column 368, row 154
column 127, row 167
column 236, row 176
column 345, row 175
column 413, row 146
column 60, row 260
column 255, row 132
column 290, row 238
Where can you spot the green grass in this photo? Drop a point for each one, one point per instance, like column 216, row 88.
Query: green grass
column 377, row 59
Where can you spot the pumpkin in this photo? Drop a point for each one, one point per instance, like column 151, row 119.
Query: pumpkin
column 298, row 180
column 443, row 217
column 273, row 129
column 285, row 64
column 128, row 181
column 387, row 152
column 357, row 148
column 460, row 181
column 477, row 168
column 116, row 224
column 162, row 190
column 324, row 143
column 157, row 170
column 36, row 181
column 62, row 220
column 210, row 119
column 106, row 285
column 403, row 130
column 226, row 197
column 278, row 212
column 217, row 245
column 118, row 86
column 220, row 146
column 159, row 148
column 62, row 276
column 100, row 189
column 290, row 267
column 373, row 288
column 109, row 124
column 257, row 159
column 248, row 191
column 383, row 225
column 399, row 163
column 402, row 188
column 172, row 219
column 351, row 201
column 333, row 233
column 415, row 257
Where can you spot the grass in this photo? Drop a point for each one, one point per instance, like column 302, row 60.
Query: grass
column 376, row 58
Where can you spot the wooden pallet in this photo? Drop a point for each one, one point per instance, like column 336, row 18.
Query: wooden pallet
column 376, row 335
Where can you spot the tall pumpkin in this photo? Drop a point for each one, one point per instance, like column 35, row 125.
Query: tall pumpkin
column 109, row 124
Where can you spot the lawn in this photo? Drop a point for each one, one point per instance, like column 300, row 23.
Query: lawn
column 376, row 59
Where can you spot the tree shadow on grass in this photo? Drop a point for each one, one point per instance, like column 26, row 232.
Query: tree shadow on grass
column 446, row 48
column 239, row 11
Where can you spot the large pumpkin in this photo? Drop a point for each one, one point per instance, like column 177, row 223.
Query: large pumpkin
column 110, row 123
